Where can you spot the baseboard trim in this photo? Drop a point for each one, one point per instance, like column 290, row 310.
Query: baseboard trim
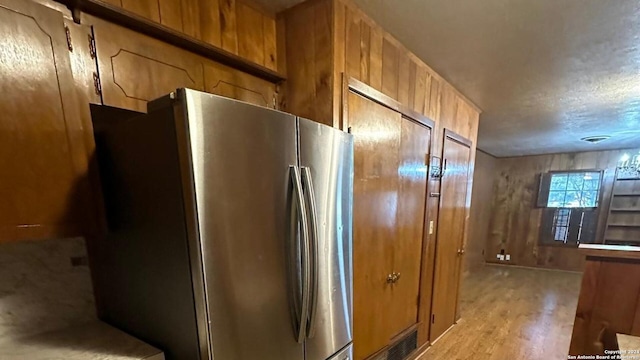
column 419, row 351
column 533, row 268
column 444, row 333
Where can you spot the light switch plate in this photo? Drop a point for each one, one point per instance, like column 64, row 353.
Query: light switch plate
column 508, row 257
column 501, row 257
column 431, row 227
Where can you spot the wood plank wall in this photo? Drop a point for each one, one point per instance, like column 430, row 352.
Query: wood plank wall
column 373, row 56
column 515, row 222
column 483, row 180
column 240, row 27
column 340, row 39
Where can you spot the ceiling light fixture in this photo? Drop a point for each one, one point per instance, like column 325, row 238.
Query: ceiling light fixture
column 629, row 166
column 595, row 139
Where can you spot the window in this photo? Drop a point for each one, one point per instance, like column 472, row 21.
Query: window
column 570, row 201
column 574, row 190
column 561, row 221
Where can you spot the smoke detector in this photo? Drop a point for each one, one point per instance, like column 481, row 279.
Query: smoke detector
column 595, row 139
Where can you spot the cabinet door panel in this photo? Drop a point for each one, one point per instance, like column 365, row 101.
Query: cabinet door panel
column 451, row 224
column 42, row 153
column 376, row 132
column 407, row 247
column 224, row 81
column 135, row 68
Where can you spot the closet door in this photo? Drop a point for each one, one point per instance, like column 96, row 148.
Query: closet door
column 407, row 247
column 377, row 136
column 451, row 224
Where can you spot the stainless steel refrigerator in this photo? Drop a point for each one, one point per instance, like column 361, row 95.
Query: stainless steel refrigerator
column 228, row 230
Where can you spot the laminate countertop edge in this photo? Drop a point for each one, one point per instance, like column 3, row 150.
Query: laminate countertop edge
column 610, row 251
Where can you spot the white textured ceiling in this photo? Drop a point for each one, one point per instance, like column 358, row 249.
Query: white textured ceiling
column 545, row 72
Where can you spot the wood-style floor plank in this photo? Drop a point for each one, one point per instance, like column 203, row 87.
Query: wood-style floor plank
column 511, row 313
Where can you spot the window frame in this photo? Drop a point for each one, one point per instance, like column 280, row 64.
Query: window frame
column 600, row 196
column 543, row 209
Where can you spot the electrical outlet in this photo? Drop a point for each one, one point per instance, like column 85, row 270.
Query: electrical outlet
column 498, row 256
column 501, row 257
column 507, row 257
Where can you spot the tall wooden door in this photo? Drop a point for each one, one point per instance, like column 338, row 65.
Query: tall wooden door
column 43, row 157
column 450, row 234
column 410, row 218
column 390, row 184
column 377, row 132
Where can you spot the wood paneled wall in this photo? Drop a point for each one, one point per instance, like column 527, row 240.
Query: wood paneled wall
column 233, row 25
column 341, row 41
column 339, row 38
column 483, row 180
column 515, row 221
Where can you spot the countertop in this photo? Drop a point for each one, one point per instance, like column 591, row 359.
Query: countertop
column 611, row 251
column 629, row 344
column 92, row 341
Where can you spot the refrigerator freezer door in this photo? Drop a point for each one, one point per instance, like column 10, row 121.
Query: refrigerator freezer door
column 346, row 354
column 328, row 154
column 241, row 158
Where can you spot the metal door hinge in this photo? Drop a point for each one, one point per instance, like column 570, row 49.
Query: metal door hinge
column 275, row 101
column 68, row 32
column 433, row 318
column 92, row 46
column 96, row 83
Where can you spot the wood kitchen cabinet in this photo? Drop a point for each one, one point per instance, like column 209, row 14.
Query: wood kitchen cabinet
column 43, row 153
column 135, row 68
column 390, row 183
column 52, row 68
column 225, row 81
column 231, row 25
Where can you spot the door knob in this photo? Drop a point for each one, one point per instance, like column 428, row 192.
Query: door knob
column 460, row 251
column 396, row 277
column 391, row 278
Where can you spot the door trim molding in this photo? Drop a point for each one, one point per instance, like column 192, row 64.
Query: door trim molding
column 362, row 89
column 457, row 138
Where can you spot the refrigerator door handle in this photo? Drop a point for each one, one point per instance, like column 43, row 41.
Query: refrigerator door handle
column 314, row 250
column 300, row 318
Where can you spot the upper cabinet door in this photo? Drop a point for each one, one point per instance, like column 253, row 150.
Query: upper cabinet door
column 225, row 81
column 135, row 68
column 43, row 159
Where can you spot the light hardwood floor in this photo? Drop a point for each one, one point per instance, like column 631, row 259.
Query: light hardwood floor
column 511, row 313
